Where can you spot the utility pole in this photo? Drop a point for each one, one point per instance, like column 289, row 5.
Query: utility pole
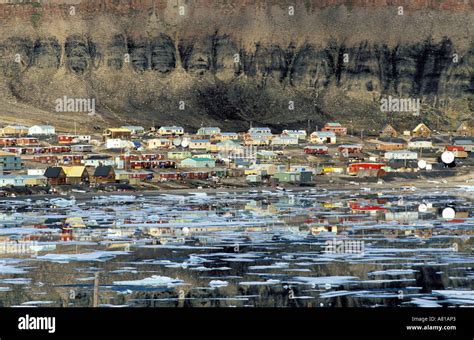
column 95, row 297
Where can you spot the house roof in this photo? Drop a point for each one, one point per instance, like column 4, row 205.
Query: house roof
column 419, row 126
column 334, row 124
column 201, row 159
column 74, row 171
column 324, row 134
column 118, row 130
column 103, row 171
column 4, row 153
column 391, row 140
column 420, row 139
column 171, row 127
column 43, row 126
column 53, row 172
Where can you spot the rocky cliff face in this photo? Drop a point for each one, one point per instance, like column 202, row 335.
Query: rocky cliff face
column 231, row 63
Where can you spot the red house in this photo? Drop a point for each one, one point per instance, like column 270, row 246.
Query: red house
column 27, row 141
column 316, row 150
column 65, row 139
column 337, row 128
column 365, row 168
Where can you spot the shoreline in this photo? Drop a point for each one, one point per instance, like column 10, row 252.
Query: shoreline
column 404, row 185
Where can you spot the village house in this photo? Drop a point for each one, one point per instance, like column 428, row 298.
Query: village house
column 400, row 155
column 76, row 174
column 323, row 137
column 260, row 131
column 7, row 141
column 316, row 150
column 170, row 131
column 179, row 154
column 74, row 139
column 257, row 140
column 134, row 129
column 117, row 133
column 421, row 130
column 370, row 169
column 104, row 174
column 24, row 141
column 228, row 149
column 266, row 155
column 98, row 160
column 81, row 148
column 55, row 175
column 116, row 143
column 208, row 131
column 464, row 129
column 388, row 131
column 420, row 143
column 10, row 161
column 388, row 144
column 158, row 143
column 223, row 136
column 466, row 142
column 15, row 130
column 196, row 162
column 337, row 128
column 348, row 149
column 41, row 130
column 199, row 144
column 11, row 181
column 284, row 140
column 300, row 134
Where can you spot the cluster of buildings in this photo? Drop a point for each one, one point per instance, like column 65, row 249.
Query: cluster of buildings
column 39, row 156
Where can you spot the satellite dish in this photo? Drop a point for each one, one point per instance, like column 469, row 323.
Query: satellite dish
column 177, row 142
column 447, row 157
column 422, row 164
column 185, row 143
column 422, row 208
column 448, row 213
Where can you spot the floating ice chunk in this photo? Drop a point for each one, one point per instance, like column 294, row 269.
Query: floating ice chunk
column 218, row 283
column 323, row 280
column 424, row 302
column 260, row 283
column 6, row 269
column 393, row 272
column 153, row 281
column 94, row 256
column 277, row 265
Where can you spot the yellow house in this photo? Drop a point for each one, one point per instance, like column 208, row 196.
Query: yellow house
column 76, row 174
column 421, row 130
column 199, row 144
column 316, row 230
column 15, row 130
column 332, row 169
column 75, row 222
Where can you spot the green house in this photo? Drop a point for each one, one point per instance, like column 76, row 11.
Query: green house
column 198, row 163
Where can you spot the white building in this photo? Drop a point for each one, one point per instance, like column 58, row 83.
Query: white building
column 116, row 143
column 208, row 131
column 41, row 130
column 300, row 134
column 401, row 154
column 419, row 143
column 260, row 131
column 134, row 129
column 323, row 137
column 171, row 130
column 285, row 140
column 157, row 143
